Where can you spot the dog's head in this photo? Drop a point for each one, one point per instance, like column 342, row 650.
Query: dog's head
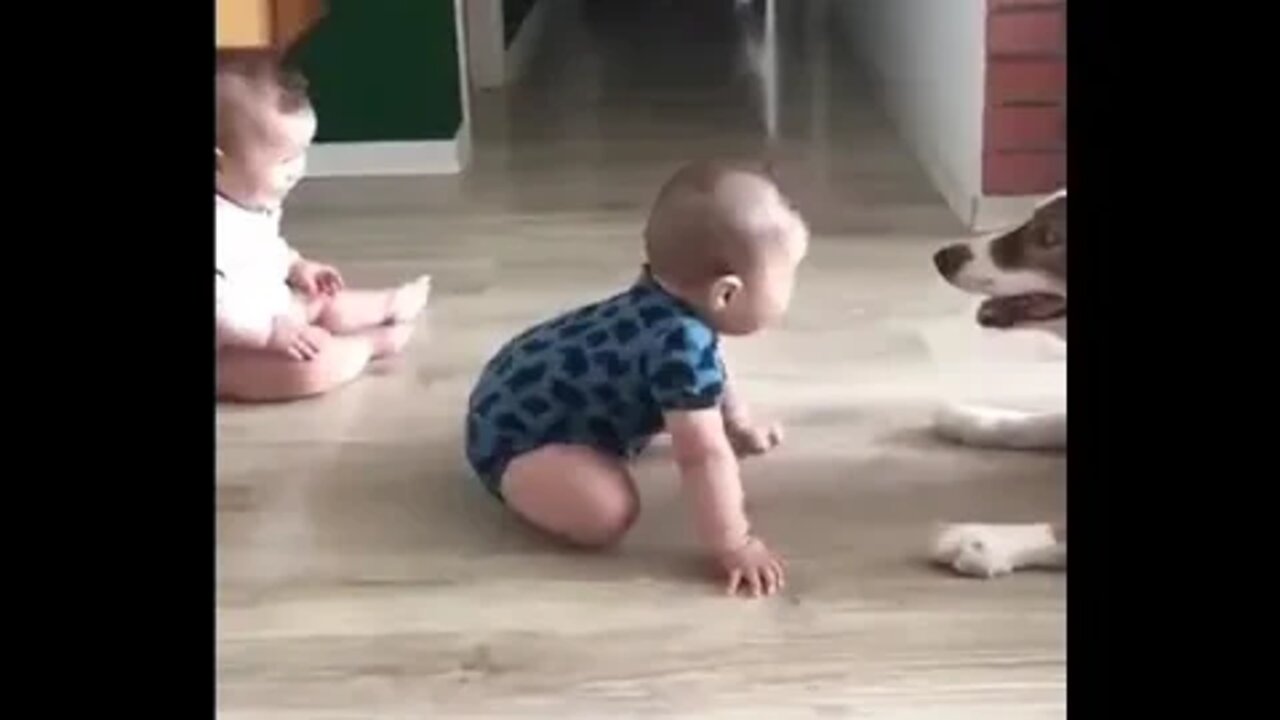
column 1022, row 272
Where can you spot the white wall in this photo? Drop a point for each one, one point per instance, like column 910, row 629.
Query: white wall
column 494, row 64
column 929, row 58
column 488, row 52
column 464, row 81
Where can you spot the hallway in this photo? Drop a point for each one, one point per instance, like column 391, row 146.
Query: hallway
column 363, row 573
column 632, row 89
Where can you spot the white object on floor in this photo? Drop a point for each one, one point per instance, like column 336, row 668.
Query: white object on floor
column 989, row 550
column 998, row 389
column 993, row 427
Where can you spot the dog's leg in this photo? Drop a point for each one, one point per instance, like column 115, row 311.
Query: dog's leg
column 987, row 551
column 1048, row 558
column 990, row 427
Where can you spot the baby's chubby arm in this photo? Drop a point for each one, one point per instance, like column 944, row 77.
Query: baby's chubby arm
column 745, row 435
column 240, row 322
column 313, row 278
column 709, row 472
column 236, row 320
column 687, row 379
column 734, row 407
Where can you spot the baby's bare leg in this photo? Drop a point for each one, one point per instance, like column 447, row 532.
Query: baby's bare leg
column 387, row 340
column 260, row 376
column 247, row 375
column 573, row 492
column 353, row 310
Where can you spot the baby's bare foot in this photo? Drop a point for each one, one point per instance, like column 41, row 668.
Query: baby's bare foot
column 408, row 300
column 390, row 340
column 754, row 439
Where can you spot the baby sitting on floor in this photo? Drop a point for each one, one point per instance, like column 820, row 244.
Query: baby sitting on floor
column 561, row 408
column 286, row 326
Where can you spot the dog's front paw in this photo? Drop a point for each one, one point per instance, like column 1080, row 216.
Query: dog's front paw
column 969, row 424
column 990, row 550
column 974, row 550
column 990, row 427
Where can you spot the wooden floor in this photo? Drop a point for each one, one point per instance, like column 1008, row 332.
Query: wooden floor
column 363, row 573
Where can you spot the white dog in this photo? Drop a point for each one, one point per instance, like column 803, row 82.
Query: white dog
column 1023, row 275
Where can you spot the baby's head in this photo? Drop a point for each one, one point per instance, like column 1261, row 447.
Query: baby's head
column 725, row 240
column 265, row 123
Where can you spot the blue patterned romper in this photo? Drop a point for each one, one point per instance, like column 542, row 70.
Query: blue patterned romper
column 601, row 375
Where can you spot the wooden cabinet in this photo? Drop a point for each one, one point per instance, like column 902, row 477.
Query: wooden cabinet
column 264, row 24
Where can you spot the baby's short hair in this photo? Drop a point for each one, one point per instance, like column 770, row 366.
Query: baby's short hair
column 696, row 232
column 248, row 83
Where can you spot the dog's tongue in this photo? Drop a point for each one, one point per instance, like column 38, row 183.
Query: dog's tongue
column 1003, row 312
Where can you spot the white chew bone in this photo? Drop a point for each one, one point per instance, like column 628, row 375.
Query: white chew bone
column 988, row 550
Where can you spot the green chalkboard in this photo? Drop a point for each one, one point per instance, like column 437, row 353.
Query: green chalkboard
column 384, row 70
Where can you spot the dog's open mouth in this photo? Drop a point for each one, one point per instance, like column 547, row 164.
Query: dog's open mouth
column 1013, row 310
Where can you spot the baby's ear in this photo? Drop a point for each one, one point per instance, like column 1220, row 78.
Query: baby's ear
column 723, row 290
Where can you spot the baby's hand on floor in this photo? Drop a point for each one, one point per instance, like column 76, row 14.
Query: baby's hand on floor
column 752, row 439
column 296, row 340
column 753, row 567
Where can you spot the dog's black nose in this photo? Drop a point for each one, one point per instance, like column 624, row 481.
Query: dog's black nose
column 950, row 259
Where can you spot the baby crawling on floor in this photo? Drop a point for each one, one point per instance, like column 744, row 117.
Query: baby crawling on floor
column 560, row 409
column 286, row 325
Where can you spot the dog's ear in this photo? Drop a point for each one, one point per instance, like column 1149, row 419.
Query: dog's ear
column 1052, row 218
